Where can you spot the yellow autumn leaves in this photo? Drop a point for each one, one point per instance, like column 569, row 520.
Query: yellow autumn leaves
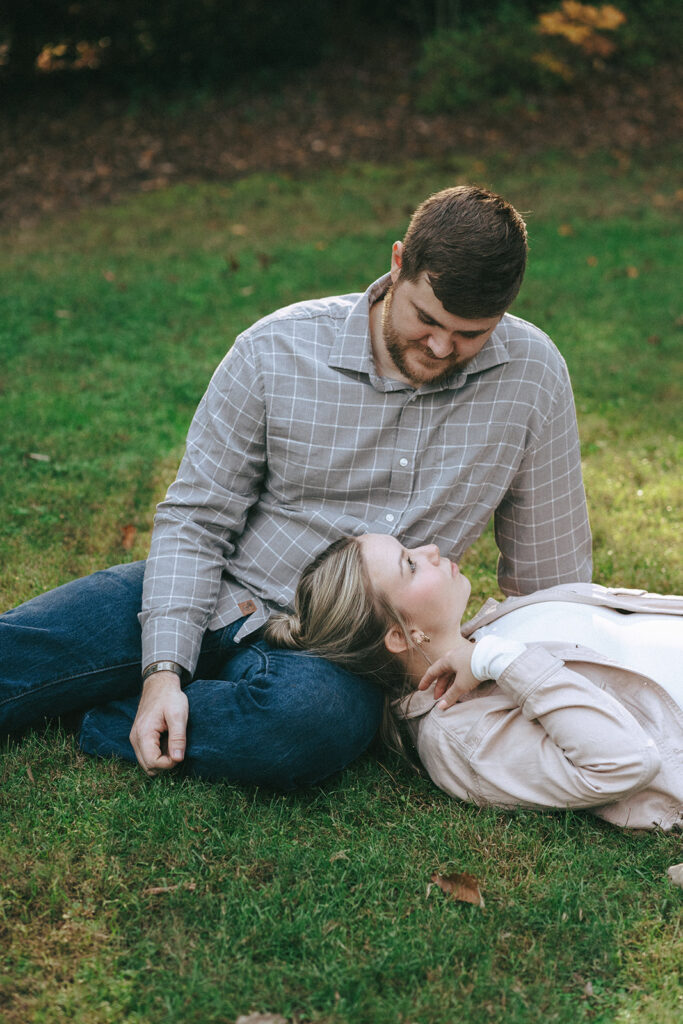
column 581, row 25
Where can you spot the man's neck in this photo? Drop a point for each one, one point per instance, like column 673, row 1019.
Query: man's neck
column 384, row 364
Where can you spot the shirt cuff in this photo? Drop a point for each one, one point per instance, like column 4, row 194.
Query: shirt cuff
column 493, row 654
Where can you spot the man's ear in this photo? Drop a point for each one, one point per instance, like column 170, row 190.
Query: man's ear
column 396, row 260
column 395, row 641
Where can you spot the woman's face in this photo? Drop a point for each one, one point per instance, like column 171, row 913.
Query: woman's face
column 429, row 591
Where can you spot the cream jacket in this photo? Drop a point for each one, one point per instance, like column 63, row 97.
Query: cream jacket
column 562, row 727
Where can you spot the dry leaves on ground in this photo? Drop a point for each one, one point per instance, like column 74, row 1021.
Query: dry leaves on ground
column 461, row 886
column 261, row 1018
column 157, row 890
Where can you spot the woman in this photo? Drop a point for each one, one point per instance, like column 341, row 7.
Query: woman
column 511, row 709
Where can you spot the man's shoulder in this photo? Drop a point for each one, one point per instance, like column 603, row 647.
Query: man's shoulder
column 315, row 312
column 514, row 329
column 526, row 342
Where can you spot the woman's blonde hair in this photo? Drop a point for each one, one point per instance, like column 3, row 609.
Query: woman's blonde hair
column 339, row 615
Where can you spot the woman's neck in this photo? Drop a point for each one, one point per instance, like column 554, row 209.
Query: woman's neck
column 420, row 657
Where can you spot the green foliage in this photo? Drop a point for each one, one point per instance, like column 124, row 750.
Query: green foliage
column 509, row 52
column 463, row 67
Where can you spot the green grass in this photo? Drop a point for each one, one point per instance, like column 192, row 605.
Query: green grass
column 316, row 906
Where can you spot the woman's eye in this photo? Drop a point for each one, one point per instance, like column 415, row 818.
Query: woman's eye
column 411, row 564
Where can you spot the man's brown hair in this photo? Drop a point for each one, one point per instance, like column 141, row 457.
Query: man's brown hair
column 473, row 246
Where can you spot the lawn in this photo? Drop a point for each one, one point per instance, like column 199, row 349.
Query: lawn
column 138, row 902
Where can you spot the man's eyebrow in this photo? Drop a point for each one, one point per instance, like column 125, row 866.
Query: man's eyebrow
column 424, row 315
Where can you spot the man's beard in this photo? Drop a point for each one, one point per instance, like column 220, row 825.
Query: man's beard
column 398, row 349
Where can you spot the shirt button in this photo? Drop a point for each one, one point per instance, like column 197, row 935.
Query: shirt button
column 389, row 517
column 403, row 462
column 282, row 601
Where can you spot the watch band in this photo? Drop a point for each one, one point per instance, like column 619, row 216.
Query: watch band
column 164, row 666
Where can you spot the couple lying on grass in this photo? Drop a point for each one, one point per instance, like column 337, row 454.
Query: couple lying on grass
column 568, row 697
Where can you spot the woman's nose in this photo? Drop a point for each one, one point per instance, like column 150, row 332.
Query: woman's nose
column 432, row 552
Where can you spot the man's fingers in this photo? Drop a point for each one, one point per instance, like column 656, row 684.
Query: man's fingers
column 176, row 742
column 177, row 731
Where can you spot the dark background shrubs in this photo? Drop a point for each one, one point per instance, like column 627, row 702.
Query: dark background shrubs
column 464, row 52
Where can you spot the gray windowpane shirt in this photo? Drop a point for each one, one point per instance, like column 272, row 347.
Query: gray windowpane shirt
column 297, row 441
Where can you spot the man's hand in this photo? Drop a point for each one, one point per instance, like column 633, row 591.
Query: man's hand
column 453, row 673
column 158, row 733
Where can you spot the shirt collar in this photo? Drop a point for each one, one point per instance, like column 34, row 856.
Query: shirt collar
column 353, row 348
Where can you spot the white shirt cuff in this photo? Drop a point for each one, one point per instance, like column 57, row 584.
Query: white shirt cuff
column 493, row 654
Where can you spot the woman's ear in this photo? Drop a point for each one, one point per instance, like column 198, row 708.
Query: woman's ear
column 395, row 640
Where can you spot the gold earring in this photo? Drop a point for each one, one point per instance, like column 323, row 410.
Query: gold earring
column 422, row 638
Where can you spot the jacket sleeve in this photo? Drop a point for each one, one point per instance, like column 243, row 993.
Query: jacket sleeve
column 541, row 525
column 205, row 511
column 546, row 737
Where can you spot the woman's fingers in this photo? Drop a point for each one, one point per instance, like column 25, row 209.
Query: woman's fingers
column 441, row 667
column 452, row 675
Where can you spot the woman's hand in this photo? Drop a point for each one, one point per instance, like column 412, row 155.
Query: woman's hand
column 453, row 675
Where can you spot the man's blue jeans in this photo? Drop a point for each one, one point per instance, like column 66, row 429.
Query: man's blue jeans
column 257, row 714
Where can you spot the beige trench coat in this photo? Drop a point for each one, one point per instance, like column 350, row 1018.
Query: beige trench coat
column 562, row 727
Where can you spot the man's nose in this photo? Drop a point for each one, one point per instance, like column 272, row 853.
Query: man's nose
column 441, row 344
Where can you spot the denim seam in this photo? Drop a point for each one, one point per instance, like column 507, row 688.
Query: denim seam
column 65, row 679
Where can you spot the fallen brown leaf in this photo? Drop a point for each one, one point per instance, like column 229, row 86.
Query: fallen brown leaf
column 157, row 890
column 461, row 886
column 261, row 1018
column 128, row 534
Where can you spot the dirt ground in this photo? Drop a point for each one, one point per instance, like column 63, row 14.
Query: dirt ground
column 57, row 155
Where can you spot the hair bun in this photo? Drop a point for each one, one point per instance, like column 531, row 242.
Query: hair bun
column 284, row 630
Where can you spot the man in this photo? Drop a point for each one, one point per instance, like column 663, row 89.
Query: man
column 419, row 408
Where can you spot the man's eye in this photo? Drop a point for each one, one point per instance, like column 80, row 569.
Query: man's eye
column 411, row 564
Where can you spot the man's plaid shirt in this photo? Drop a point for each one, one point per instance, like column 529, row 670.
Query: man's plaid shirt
column 297, row 442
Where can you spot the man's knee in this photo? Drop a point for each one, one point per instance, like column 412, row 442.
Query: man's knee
column 283, row 719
